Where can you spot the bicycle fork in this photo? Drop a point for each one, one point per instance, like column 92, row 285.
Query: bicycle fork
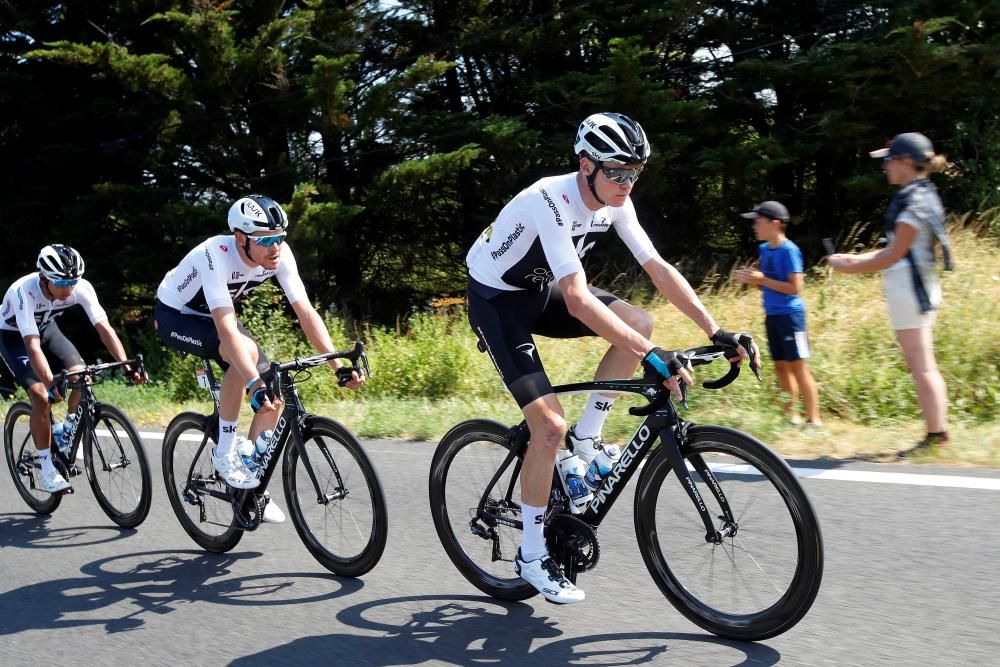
column 672, row 448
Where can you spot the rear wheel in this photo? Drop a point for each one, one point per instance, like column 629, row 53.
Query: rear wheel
column 198, row 496
column 117, row 467
column 339, row 510
column 761, row 579
column 482, row 545
column 20, row 452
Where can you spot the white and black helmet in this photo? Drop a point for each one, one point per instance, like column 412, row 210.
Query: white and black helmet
column 59, row 262
column 257, row 213
column 612, row 137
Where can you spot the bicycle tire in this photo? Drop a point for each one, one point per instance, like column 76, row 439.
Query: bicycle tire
column 463, row 484
column 20, row 453
column 108, row 460
column 348, row 530
column 767, row 601
column 177, row 460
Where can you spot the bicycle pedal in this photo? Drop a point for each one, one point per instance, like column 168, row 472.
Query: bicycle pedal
column 67, row 491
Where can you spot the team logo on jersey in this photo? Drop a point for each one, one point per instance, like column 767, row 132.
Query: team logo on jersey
column 540, row 275
column 223, row 248
column 603, row 223
column 565, row 198
column 488, row 233
column 528, row 349
column 236, row 275
column 506, row 245
column 577, row 225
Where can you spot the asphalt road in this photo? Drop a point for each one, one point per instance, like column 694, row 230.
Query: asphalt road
column 911, row 579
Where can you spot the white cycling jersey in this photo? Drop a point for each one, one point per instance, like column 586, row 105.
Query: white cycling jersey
column 544, row 232
column 213, row 275
column 27, row 310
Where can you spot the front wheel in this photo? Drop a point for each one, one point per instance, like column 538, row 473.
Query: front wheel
column 760, row 579
column 198, row 496
column 117, row 467
column 468, row 470
column 20, row 452
column 335, row 498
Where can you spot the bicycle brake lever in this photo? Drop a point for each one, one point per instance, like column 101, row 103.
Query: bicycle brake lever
column 746, row 342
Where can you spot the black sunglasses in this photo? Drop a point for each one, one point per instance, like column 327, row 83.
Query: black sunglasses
column 621, row 175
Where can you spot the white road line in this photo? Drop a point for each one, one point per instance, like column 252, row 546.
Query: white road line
column 870, row 476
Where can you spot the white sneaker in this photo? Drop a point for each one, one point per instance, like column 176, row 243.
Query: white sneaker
column 272, row 513
column 544, row 574
column 52, row 480
column 586, row 448
column 232, row 469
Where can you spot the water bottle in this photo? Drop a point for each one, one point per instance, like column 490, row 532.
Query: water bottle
column 261, row 444
column 572, row 471
column 601, row 466
column 248, row 453
column 57, row 434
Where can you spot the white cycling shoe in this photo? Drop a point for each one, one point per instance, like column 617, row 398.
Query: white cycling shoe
column 586, row 448
column 52, row 480
column 272, row 513
column 544, row 574
column 233, row 471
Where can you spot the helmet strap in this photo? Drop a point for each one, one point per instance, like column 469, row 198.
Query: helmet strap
column 590, row 182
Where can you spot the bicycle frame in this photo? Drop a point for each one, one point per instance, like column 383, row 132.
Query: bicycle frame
column 289, row 426
column 661, row 421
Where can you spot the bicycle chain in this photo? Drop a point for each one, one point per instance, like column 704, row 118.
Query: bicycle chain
column 576, row 534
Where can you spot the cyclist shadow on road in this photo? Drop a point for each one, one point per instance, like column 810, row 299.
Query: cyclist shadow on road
column 157, row 582
column 26, row 530
column 467, row 630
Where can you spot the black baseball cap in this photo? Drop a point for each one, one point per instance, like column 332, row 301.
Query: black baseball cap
column 913, row 145
column 772, row 210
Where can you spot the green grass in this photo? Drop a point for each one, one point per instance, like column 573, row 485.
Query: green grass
column 429, row 374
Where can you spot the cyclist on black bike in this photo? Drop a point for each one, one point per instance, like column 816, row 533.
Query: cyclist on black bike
column 195, row 313
column 526, row 278
column 35, row 349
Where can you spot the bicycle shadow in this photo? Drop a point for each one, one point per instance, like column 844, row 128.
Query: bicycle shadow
column 467, row 630
column 31, row 531
column 157, row 582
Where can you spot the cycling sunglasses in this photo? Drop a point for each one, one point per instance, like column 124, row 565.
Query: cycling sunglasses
column 621, row 175
column 66, row 282
column 268, row 241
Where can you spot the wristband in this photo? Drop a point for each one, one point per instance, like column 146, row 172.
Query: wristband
column 253, row 381
column 658, row 364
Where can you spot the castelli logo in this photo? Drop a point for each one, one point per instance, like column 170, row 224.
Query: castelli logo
column 223, row 248
column 565, row 199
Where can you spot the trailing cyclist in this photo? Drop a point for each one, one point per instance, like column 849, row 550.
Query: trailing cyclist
column 195, row 313
column 35, row 349
column 526, row 278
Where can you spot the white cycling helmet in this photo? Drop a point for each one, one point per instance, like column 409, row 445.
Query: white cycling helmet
column 612, row 137
column 59, row 262
column 257, row 213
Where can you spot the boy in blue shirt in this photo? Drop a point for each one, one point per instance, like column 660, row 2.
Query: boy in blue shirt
column 781, row 279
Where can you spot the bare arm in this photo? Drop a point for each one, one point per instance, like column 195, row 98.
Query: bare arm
column 590, row 310
column 902, row 239
column 315, row 329
column 111, row 341
column 792, row 286
column 678, row 291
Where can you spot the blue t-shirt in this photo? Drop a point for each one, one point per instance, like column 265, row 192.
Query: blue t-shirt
column 778, row 264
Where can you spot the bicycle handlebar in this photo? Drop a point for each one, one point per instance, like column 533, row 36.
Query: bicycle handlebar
column 64, row 379
column 302, row 363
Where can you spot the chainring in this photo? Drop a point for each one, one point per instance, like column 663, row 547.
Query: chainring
column 573, row 543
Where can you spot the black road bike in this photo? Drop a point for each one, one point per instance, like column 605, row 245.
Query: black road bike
column 113, row 454
column 722, row 523
column 334, row 495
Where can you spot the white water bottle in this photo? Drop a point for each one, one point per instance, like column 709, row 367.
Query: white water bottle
column 572, row 470
column 262, row 440
column 601, row 466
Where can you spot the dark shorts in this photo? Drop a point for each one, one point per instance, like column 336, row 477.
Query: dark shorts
column 59, row 352
column 197, row 335
column 786, row 336
column 505, row 323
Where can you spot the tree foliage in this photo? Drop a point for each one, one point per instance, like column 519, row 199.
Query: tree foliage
column 395, row 132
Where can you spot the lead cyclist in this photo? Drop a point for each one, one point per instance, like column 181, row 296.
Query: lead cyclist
column 526, row 277
column 195, row 313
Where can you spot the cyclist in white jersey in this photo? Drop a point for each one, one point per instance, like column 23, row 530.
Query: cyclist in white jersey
column 35, row 349
column 526, row 277
column 195, row 313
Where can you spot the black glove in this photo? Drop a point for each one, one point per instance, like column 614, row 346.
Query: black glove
column 259, row 395
column 345, row 374
column 661, row 364
column 736, row 341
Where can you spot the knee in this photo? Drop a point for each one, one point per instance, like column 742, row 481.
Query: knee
column 640, row 321
column 550, row 432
